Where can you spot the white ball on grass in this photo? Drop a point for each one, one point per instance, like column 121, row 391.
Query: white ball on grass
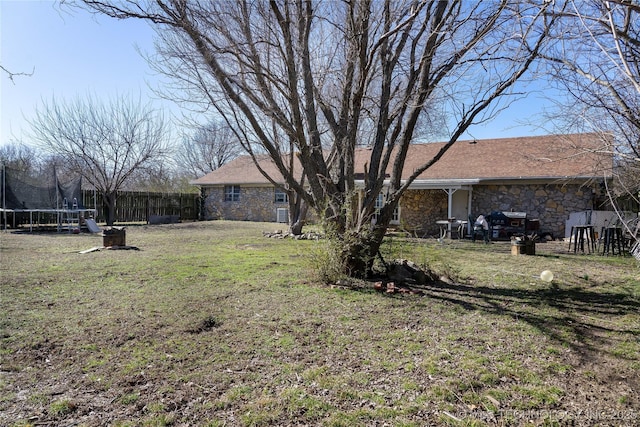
column 546, row 276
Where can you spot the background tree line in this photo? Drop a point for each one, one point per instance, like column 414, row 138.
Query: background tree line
column 117, row 145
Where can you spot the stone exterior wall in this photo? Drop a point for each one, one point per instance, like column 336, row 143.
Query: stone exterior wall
column 255, row 204
column 420, row 209
column 550, row 203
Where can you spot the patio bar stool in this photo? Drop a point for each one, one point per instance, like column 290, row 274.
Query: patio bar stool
column 581, row 235
column 612, row 241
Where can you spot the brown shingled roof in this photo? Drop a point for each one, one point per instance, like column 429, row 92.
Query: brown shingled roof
column 242, row 170
column 550, row 157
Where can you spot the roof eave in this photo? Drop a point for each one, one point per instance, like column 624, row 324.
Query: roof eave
column 222, row 184
column 431, row 184
column 543, row 178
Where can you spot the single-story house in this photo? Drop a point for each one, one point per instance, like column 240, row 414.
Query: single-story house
column 545, row 177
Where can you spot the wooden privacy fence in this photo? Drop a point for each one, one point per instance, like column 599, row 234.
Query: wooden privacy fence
column 135, row 206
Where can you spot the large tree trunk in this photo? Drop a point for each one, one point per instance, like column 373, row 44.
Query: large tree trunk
column 297, row 216
column 109, row 207
column 358, row 255
column 362, row 245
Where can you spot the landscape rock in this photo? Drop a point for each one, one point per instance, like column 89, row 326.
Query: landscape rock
column 279, row 234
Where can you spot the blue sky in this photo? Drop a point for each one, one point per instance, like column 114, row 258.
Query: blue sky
column 73, row 53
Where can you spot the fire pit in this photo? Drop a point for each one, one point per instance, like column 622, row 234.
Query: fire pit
column 114, row 236
column 523, row 245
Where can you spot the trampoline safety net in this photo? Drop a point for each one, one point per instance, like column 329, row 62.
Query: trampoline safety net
column 20, row 191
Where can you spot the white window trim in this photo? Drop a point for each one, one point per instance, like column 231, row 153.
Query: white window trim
column 277, row 192
column 232, row 193
column 395, row 219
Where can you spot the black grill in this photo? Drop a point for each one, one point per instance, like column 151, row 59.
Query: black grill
column 506, row 224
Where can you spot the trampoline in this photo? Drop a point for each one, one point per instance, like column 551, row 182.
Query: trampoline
column 51, row 198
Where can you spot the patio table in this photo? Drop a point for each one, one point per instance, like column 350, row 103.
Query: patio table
column 446, row 227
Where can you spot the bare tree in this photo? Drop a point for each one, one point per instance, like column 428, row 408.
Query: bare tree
column 208, row 148
column 19, row 157
column 308, row 81
column 104, row 142
column 596, row 59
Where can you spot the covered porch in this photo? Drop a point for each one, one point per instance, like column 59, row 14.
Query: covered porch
column 439, row 208
column 459, row 194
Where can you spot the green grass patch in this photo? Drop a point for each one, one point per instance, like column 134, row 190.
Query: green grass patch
column 60, row 408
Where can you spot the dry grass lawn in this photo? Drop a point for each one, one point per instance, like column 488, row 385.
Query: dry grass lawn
column 212, row 324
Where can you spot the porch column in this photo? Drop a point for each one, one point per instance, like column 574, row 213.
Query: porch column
column 450, row 192
column 469, row 225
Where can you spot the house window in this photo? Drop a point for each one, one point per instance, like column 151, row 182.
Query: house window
column 395, row 219
column 280, row 196
column 231, row 193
